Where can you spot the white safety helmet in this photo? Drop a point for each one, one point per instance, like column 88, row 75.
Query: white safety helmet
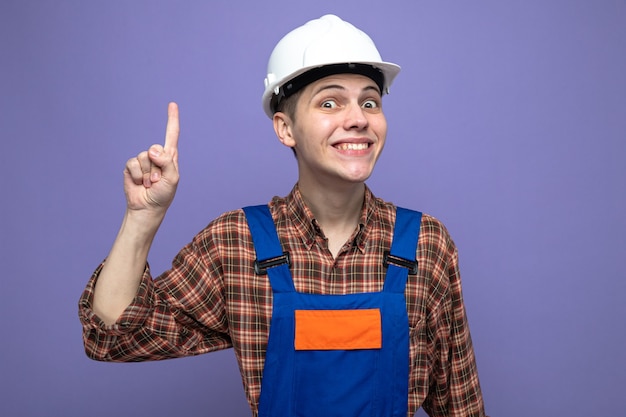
column 322, row 47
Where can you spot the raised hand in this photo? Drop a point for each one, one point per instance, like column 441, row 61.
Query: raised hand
column 150, row 181
column 151, row 178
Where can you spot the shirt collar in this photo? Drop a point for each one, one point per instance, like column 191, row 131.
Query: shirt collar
column 308, row 227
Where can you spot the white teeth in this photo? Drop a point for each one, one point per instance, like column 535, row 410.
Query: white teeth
column 352, row 146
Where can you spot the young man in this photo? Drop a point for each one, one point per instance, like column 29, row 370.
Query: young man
column 336, row 302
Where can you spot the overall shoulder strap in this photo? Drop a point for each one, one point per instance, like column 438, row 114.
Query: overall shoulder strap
column 270, row 258
column 401, row 259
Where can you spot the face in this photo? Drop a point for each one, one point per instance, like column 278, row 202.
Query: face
column 338, row 130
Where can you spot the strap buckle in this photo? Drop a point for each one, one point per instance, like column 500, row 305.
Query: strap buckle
column 260, row 267
column 411, row 265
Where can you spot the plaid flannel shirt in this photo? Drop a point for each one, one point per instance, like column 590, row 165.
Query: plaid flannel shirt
column 211, row 299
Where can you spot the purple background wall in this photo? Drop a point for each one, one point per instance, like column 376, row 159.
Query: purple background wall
column 508, row 122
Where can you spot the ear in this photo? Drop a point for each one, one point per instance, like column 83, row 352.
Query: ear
column 283, row 126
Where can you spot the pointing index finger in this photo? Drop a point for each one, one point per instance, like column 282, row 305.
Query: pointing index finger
column 172, row 129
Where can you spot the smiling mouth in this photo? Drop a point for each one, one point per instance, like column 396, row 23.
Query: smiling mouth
column 352, row 146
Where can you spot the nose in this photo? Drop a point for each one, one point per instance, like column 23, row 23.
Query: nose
column 355, row 117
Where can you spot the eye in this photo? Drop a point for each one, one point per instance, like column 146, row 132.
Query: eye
column 370, row 104
column 329, row 104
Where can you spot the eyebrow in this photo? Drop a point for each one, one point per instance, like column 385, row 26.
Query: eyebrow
column 340, row 87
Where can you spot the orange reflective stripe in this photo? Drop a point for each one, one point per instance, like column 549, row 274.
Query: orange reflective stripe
column 338, row 329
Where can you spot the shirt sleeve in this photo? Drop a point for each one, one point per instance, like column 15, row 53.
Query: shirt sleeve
column 454, row 386
column 181, row 313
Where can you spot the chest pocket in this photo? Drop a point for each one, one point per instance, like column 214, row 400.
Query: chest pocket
column 338, row 329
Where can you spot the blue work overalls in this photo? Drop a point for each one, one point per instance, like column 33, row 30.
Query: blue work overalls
column 336, row 355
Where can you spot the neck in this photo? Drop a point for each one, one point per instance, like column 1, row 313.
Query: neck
column 336, row 210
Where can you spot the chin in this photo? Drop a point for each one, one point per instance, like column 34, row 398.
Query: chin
column 358, row 177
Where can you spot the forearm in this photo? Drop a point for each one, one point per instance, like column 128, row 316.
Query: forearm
column 121, row 274
column 179, row 313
